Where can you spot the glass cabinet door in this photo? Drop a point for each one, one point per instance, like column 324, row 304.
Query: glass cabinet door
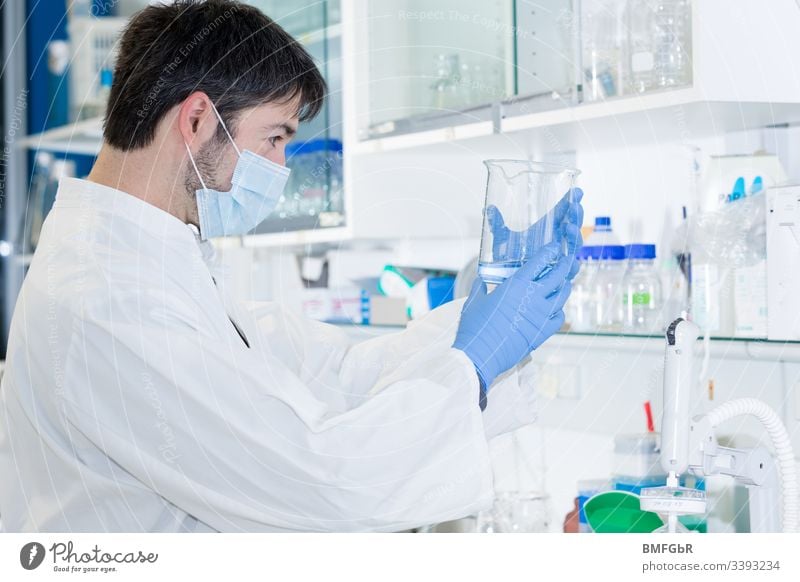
column 424, row 65
column 635, row 46
column 546, row 37
column 313, row 197
column 427, row 60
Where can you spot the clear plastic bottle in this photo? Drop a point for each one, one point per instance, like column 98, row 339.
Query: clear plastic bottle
column 602, row 235
column 608, row 287
column 581, row 308
column 673, row 39
column 642, row 291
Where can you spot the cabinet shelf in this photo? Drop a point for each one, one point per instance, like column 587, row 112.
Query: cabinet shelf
column 451, row 133
column 730, row 348
column 734, row 348
column 660, row 115
column 298, row 237
column 82, row 137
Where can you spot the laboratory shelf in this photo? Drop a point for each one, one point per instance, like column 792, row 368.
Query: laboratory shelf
column 297, row 237
column 82, row 137
column 657, row 116
column 731, row 348
column 414, row 139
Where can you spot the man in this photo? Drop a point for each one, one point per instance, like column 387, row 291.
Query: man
column 138, row 397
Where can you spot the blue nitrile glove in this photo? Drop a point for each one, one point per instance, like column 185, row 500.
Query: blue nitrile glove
column 507, row 242
column 497, row 330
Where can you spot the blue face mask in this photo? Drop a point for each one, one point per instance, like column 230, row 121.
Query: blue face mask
column 256, row 187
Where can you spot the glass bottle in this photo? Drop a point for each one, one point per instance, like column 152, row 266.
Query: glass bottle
column 446, row 87
column 673, row 38
column 608, row 288
column 581, row 308
column 640, row 22
column 642, row 291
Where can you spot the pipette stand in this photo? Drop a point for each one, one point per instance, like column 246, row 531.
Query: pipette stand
column 753, row 468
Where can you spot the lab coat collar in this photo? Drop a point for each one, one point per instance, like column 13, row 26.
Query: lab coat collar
column 77, row 193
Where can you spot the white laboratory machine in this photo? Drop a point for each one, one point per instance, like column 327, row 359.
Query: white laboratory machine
column 783, row 257
column 690, row 445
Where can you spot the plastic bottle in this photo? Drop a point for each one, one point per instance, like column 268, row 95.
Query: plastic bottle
column 636, row 462
column 587, row 489
column 314, row 185
column 602, row 235
column 642, row 290
column 608, row 286
column 674, row 286
column 581, row 307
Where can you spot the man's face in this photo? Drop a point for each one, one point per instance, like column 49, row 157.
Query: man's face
column 264, row 130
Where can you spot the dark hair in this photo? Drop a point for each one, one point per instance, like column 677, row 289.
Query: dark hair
column 234, row 53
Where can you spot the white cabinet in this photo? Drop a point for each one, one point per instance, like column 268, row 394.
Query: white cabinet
column 422, row 92
column 402, row 169
column 739, row 53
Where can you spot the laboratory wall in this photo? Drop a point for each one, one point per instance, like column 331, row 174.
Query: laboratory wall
column 589, row 393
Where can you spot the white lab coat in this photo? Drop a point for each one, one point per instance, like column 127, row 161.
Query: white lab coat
column 130, row 402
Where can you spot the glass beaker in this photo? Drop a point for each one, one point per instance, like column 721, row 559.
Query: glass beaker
column 526, row 203
column 516, row 512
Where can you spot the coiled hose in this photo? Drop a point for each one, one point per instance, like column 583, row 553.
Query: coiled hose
column 783, row 449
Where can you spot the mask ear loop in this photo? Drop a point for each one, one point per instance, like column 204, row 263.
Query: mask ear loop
column 196, row 171
column 214, row 107
column 233, row 143
column 191, row 158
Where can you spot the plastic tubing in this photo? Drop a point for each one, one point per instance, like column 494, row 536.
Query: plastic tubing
column 783, row 449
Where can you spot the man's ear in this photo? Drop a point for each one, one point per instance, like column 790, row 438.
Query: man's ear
column 197, row 121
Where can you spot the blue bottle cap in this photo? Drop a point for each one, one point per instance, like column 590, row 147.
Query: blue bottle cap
column 640, row 251
column 589, row 252
column 596, row 253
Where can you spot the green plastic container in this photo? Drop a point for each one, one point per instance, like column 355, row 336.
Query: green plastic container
column 619, row 512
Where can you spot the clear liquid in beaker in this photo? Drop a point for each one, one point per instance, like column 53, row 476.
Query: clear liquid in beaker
column 497, row 272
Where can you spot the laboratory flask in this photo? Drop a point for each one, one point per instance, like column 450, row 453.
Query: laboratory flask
column 525, row 209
